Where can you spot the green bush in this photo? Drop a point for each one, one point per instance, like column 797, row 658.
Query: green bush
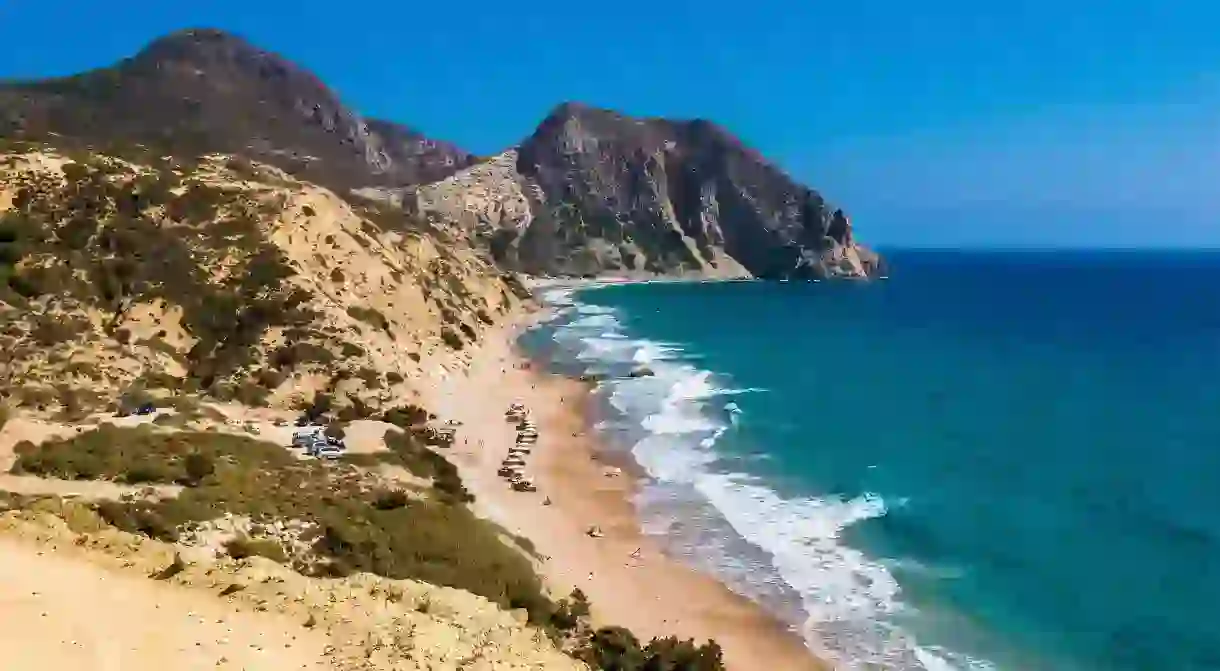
column 617, row 649
column 406, row 416
column 242, row 547
column 571, row 612
column 390, row 499
column 613, row 649
column 109, row 246
column 369, row 316
column 370, row 377
column 436, row 541
column 198, row 466
column 411, row 453
column 451, row 338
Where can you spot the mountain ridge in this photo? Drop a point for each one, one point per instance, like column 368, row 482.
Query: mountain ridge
column 205, row 90
column 592, row 190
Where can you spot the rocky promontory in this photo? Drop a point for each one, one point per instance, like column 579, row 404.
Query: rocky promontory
column 592, row 191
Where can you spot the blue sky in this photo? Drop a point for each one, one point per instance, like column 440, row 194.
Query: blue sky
column 942, row 122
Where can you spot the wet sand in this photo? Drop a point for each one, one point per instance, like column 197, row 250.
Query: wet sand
column 648, row 593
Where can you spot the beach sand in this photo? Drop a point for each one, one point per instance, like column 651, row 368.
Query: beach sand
column 652, row 595
column 63, row 612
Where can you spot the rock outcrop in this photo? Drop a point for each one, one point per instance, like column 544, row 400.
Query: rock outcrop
column 593, row 191
column 199, row 91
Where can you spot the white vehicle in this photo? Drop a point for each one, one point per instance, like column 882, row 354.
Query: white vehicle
column 306, row 436
column 329, row 452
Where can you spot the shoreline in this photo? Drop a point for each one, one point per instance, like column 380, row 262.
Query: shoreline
column 651, row 594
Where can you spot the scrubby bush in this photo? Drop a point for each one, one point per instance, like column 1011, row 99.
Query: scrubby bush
column 108, row 246
column 390, row 499
column 451, row 338
column 370, row 377
column 251, row 393
column 571, row 612
column 616, row 648
column 243, row 547
column 198, row 466
column 440, row 542
column 369, row 316
column 415, row 456
column 613, row 649
column 406, row 416
column 319, row 406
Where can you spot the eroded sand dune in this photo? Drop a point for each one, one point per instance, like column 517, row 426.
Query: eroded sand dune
column 85, row 597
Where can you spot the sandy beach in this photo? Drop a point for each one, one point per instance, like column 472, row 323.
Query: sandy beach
column 648, row 592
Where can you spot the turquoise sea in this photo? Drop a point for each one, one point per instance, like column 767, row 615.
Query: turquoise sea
column 991, row 461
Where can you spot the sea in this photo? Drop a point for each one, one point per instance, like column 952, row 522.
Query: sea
column 990, row 460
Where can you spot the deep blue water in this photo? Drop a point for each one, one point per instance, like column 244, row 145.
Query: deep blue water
column 1002, row 461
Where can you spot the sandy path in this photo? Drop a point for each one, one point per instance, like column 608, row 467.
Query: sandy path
column 88, row 489
column 62, row 612
column 652, row 595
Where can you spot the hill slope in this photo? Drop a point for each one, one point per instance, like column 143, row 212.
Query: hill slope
column 222, row 277
column 199, row 91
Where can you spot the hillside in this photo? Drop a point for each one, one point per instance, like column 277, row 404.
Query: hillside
column 201, row 91
column 594, row 191
column 206, row 228
column 224, row 278
column 590, row 191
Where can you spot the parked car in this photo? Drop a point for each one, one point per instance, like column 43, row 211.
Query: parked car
column 314, row 446
column 328, row 452
column 306, row 436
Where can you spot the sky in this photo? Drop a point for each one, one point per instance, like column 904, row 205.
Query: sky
column 1029, row 123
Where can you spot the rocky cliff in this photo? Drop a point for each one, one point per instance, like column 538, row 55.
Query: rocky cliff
column 593, row 191
column 199, row 91
column 590, row 191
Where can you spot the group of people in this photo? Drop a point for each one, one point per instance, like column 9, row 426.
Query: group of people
column 513, row 466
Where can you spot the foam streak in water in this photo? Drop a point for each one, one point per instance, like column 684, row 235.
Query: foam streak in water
column 681, row 413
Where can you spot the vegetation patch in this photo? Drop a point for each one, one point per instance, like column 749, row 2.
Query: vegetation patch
column 107, row 237
column 436, row 540
column 369, row 316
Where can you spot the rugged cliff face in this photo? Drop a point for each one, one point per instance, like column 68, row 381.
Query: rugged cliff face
column 593, row 191
column 590, row 192
column 199, row 91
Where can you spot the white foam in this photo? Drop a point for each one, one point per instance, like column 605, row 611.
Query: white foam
column 939, row 659
column 844, row 594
